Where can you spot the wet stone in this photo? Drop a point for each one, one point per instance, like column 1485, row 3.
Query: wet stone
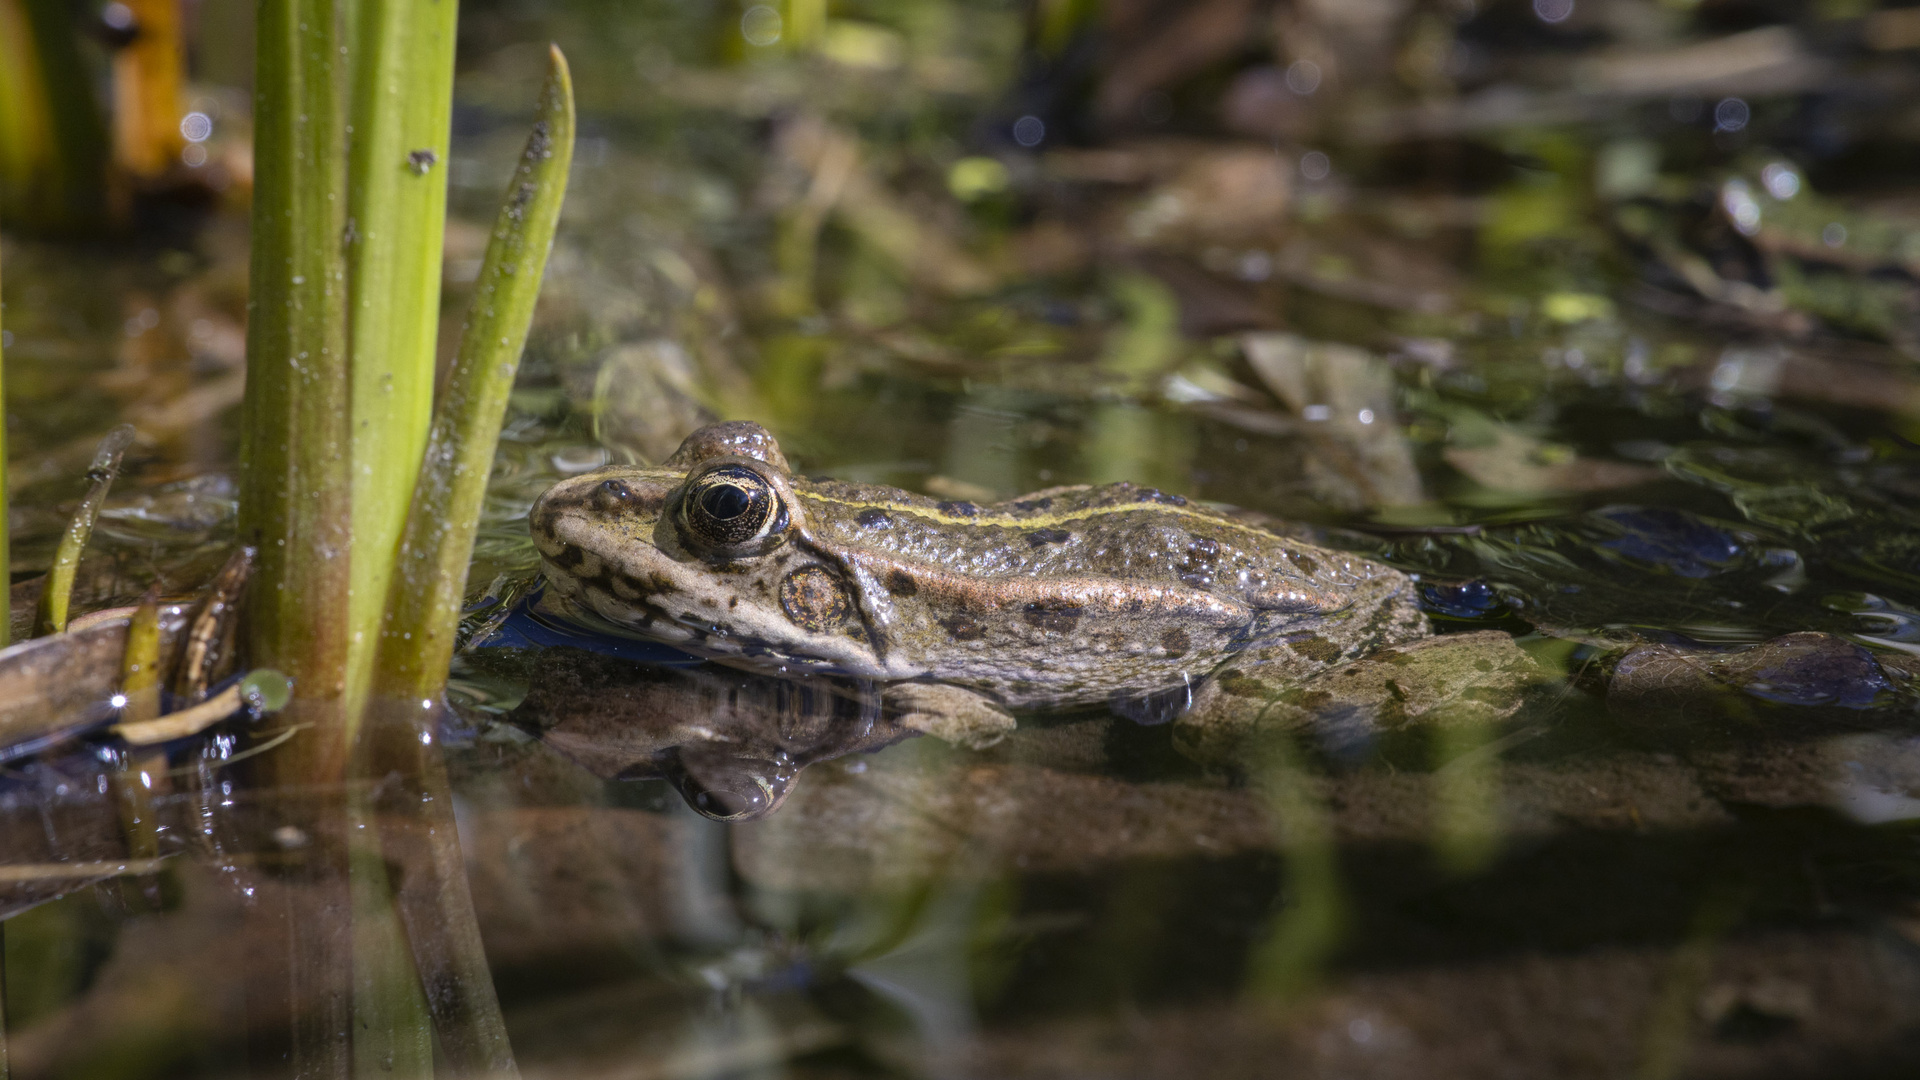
column 1464, row 600
column 1672, row 540
column 1806, row 681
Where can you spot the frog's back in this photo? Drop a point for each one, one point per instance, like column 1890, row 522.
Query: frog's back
column 1121, row 532
column 1079, row 593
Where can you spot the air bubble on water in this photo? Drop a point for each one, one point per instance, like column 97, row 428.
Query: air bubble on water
column 1303, row 77
column 1731, row 114
column 1737, row 199
column 761, row 26
column 1553, row 11
column 1780, row 181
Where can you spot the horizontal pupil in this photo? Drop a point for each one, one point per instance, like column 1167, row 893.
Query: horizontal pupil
column 724, row 502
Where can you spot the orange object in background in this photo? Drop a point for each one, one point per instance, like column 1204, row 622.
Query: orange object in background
column 148, row 73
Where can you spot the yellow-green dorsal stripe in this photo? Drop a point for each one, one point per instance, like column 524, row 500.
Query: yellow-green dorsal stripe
column 1040, row 520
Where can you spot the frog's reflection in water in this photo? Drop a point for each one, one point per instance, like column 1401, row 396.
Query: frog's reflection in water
column 732, row 743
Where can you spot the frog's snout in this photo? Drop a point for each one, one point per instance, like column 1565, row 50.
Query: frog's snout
column 727, row 786
column 601, row 497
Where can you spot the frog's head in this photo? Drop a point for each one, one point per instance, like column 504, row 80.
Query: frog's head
column 709, row 551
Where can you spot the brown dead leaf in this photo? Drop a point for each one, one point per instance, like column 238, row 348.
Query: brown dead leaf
column 1522, row 464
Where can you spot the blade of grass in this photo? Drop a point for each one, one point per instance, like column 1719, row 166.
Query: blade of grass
column 423, row 611
column 51, row 618
column 401, row 115
column 295, row 481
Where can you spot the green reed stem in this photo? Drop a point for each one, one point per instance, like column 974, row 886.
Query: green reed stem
column 295, row 434
column 423, row 607
column 53, row 141
column 57, row 595
column 397, row 206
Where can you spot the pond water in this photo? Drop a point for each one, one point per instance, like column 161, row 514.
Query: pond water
column 1599, row 318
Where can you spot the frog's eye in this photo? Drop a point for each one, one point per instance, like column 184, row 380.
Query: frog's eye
column 732, row 511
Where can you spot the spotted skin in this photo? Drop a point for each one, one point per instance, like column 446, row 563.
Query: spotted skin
column 1067, row 596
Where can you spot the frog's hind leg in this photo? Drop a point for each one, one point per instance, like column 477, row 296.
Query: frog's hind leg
column 1260, row 687
column 1287, row 649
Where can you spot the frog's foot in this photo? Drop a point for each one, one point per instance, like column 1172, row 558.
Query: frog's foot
column 1382, row 611
column 1453, row 680
column 950, row 713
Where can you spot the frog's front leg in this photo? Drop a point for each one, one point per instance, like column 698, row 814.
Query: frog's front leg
column 951, row 713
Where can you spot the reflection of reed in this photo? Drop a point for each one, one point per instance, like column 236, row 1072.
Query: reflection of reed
column 1670, row 1018
column 1466, row 792
column 1131, row 442
column 1309, row 925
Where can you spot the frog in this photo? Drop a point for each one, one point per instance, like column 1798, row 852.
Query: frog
column 1154, row 604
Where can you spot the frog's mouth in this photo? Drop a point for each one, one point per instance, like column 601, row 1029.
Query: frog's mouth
column 585, row 605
